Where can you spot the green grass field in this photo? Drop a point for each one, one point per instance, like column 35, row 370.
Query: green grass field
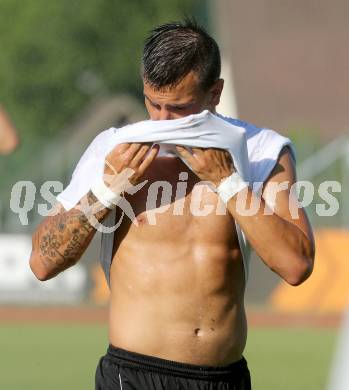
column 56, row 357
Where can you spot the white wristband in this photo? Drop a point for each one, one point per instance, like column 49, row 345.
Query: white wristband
column 230, row 187
column 105, row 195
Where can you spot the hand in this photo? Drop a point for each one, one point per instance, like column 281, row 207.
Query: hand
column 131, row 159
column 212, row 165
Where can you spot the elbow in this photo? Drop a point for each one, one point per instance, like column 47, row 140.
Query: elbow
column 41, row 277
column 38, row 270
column 301, row 272
column 303, row 264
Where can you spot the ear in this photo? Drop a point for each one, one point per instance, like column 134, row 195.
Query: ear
column 216, row 92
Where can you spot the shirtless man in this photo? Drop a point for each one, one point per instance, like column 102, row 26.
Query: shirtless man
column 177, row 317
column 8, row 136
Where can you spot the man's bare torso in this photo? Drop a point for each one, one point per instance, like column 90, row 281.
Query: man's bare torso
column 177, row 287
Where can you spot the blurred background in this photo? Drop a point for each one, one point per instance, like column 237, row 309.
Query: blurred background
column 70, row 69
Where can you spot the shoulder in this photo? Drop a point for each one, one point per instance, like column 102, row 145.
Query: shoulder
column 260, row 140
column 264, row 146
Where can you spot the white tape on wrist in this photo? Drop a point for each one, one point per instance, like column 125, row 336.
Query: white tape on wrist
column 105, row 195
column 230, row 187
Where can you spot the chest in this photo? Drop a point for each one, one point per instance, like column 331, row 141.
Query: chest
column 173, row 202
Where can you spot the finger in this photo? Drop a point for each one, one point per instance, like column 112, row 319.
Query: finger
column 129, row 154
column 133, row 149
column 227, row 154
column 185, row 154
column 121, row 148
column 199, row 151
column 137, row 159
column 117, row 151
column 149, row 159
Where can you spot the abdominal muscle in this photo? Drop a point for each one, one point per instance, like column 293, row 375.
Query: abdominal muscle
column 177, row 289
column 178, row 300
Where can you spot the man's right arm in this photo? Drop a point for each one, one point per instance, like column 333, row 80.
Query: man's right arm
column 61, row 239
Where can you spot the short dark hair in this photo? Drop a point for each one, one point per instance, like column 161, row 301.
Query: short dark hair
column 175, row 49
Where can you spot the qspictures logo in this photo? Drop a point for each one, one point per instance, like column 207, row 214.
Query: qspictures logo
column 163, row 197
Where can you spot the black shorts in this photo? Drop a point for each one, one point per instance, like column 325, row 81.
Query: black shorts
column 124, row 370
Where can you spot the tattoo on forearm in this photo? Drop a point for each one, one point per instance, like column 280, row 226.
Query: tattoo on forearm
column 64, row 237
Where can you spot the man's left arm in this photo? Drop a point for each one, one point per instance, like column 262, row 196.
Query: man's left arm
column 280, row 231
column 284, row 242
